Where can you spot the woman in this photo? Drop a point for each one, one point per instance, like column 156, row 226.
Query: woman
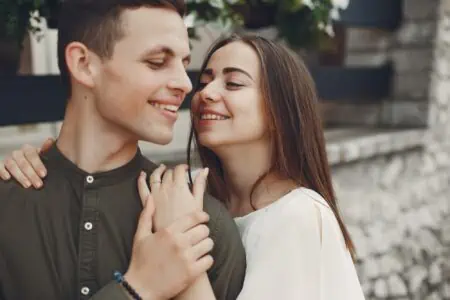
column 257, row 129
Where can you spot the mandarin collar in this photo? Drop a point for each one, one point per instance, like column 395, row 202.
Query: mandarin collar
column 56, row 159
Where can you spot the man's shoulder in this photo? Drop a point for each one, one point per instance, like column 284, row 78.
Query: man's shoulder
column 221, row 223
column 147, row 165
column 228, row 271
column 10, row 188
column 215, row 208
column 12, row 196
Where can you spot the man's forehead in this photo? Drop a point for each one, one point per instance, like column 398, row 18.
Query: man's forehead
column 157, row 29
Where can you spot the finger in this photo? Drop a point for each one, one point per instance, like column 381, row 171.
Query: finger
column 4, row 174
column 197, row 234
column 179, row 174
column 16, row 173
column 26, row 168
column 46, row 145
column 185, row 223
column 167, row 178
column 32, row 155
column 202, row 265
column 155, row 179
column 198, row 190
column 145, row 224
column 144, row 191
column 201, row 249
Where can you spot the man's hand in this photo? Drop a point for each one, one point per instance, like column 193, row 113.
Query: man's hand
column 166, row 262
column 25, row 165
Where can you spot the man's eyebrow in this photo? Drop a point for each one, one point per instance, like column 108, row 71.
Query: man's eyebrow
column 168, row 51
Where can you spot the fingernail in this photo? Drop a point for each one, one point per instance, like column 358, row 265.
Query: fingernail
column 7, row 176
column 42, row 173
column 206, row 171
column 27, row 184
column 38, row 185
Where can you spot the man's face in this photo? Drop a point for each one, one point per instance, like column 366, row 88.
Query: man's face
column 140, row 88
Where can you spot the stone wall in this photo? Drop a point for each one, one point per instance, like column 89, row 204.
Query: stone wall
column 398, row 205
column 409, row 48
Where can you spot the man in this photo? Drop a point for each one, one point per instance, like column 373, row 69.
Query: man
column 123, row 64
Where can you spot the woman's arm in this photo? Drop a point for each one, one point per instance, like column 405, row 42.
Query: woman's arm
column 200, row 290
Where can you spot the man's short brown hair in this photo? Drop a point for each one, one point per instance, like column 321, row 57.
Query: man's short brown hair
column 97, row 24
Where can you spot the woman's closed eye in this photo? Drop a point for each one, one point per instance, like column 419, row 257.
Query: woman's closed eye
column 233, row 85
column 229, row 84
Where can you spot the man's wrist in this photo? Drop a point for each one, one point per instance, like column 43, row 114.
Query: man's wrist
column 141, row 289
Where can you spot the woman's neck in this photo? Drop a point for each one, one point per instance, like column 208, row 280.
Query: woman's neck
column 243, row 166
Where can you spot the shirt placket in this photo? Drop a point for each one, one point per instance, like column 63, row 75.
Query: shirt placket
column 88, row 240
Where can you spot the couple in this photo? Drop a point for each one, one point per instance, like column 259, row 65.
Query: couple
column 259, row 138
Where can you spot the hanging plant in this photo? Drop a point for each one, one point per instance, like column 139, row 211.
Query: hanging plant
column 301, row 23
column 20, row 16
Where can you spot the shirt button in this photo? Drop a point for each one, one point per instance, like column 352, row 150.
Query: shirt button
column 88, row 225
column 85, row 290
column 90, row 179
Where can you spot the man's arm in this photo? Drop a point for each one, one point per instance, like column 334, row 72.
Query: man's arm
column 228, row 271
column 2, row 271
column 112, row 291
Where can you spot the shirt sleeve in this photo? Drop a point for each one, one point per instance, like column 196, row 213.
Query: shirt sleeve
column 284, row 261
column 228, row 271
column 111, row 291
column 2, row 272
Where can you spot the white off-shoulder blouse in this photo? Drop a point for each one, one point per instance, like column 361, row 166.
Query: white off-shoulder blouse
column 295, row 250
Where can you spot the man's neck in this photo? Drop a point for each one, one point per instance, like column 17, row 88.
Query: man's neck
column 92, row 143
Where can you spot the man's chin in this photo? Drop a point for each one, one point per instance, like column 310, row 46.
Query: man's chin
column 162, row 139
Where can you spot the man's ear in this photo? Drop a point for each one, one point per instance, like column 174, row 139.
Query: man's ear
column 82, row 63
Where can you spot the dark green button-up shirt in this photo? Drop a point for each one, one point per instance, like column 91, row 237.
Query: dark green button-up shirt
column 65, row 240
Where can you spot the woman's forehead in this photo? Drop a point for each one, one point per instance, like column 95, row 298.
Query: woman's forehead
column 236, row 55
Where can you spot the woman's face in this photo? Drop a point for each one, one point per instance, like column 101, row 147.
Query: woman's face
column 228, row 106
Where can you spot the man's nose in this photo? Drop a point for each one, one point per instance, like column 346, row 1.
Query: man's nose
column 181, row 81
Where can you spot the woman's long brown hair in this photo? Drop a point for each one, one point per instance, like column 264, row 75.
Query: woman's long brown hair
column 291, row 105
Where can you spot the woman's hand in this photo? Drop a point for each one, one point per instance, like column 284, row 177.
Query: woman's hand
column 171, row 194
column 25, row 165
column 173, row 199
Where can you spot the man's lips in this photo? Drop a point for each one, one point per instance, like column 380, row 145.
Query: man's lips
column 165, row 106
